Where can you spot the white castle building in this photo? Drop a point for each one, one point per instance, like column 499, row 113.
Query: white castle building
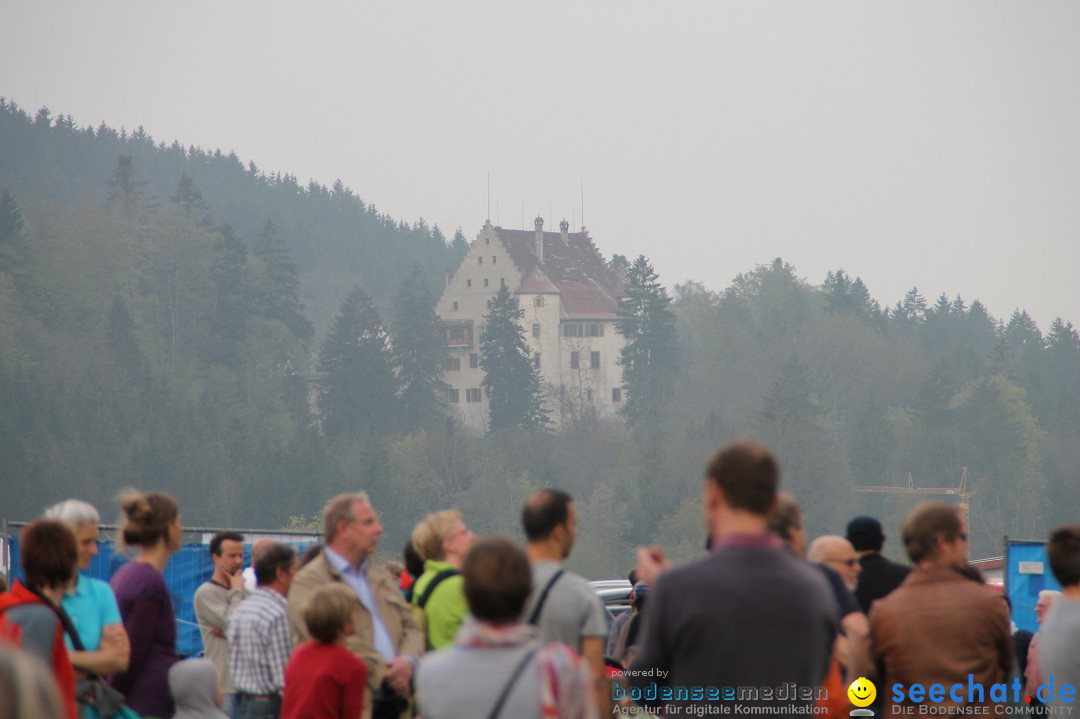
column 570, row 298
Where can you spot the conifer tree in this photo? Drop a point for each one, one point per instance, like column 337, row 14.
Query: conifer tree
column 231, row 301
column 12, row 235
column 419, row 351
column 511, row 381
column 358, row 387
column 191, row 202
column 276, row 284
column 647, row 324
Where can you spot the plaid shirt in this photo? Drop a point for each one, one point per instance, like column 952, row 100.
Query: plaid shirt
column 260, row 642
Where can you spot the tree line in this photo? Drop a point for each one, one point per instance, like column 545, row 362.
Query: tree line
column 164, row 323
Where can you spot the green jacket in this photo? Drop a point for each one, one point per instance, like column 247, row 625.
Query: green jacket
column 446, row 607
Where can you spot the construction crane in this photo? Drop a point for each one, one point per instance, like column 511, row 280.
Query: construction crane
column 962, row 491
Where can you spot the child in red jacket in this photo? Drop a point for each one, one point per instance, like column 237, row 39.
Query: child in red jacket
column 323, row 679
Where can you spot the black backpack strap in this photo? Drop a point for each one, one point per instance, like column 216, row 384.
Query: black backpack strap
column 534, row 617
column 511, row 683
column 435, row 581
column 64, row 619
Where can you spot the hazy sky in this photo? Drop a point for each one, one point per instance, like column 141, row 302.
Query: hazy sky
column 934, row 144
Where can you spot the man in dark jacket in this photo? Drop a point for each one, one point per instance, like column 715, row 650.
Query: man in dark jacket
column 879, row 576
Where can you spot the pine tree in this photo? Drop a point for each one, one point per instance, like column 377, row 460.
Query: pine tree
column 231, row 301
column 511, row 381
column 358, row 387
column 419, row 351
column 276, row 285
column 647, row 324
column 191, row 202
column 12, row 235
column 127, row 189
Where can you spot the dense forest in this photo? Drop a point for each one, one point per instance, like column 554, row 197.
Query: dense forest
column 164, row 309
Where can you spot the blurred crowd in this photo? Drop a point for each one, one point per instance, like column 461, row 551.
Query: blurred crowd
column 481, row 628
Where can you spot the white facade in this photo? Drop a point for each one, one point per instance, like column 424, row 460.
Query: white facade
column 569, row 299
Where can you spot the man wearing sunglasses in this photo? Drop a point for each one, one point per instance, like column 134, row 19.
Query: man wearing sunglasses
column 836, row 553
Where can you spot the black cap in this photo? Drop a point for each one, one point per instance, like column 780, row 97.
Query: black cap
column 865, row 533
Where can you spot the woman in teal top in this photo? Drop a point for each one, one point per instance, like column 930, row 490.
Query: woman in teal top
column 90, row 602
column 441, row 540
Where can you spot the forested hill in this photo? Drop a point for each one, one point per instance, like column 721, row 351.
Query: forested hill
column 160, row 308
column 334, row 237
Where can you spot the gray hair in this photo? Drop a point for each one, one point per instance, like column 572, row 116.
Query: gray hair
column 75, row 513
column 339, row 509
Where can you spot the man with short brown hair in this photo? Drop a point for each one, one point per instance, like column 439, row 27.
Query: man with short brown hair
column 751, row 613
column 939, row 627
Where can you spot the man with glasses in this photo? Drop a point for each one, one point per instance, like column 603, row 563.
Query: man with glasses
column 836, row 553
column 939, row 627
column 386, row 634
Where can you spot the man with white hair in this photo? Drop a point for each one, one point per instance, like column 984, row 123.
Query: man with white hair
column 1033, row 675
column 837, row 553
column 90, row 602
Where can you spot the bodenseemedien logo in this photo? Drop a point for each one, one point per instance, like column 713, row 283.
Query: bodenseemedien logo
column 862, row 693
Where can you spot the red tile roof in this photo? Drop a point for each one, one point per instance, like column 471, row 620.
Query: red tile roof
column 577, row 271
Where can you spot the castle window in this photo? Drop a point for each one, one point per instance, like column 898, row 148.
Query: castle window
column 455, row 396
column 487, row 240
column 596, row 330
column 455, row 364
column 485, row 282
column 536, row 361
column 468, row 283
column 474, row 360
column 594, row 360
column 455, row 307
column 538, row 301
column 502, row 282
column 494, row 260
column 472, row 394
column 536, row 330
column 588, row 394
column 616, row 394
column 575, row 360
column 480, row 260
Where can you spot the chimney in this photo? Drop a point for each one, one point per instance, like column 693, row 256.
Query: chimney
column 539, row 239
column 564, row 229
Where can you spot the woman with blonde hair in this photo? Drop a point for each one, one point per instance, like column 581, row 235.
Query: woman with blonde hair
column 152, row 525
column 90, row 602
column 442, row 539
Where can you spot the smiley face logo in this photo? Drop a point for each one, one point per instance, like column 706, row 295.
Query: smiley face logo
column 862, row 692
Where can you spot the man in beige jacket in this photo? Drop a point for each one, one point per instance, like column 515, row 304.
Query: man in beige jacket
column 387, row 636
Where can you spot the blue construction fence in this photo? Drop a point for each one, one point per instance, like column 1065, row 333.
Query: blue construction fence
column 188, row 568
column 1027, row 572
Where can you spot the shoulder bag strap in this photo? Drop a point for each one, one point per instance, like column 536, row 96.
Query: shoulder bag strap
column 65, row 620
column 534, row 618
column 511, row 683
column 435, row 581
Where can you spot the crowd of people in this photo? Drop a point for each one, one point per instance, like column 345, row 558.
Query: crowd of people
column 481, row 628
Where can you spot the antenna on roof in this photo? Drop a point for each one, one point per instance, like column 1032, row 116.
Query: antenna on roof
column 497, row 222
column 582, row 179
column 574, row 214
column 489, row 197
column 523, row 215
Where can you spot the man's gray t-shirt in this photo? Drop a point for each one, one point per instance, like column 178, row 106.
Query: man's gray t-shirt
column 572, row 609
column 1059, row 638
column 465, row 682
